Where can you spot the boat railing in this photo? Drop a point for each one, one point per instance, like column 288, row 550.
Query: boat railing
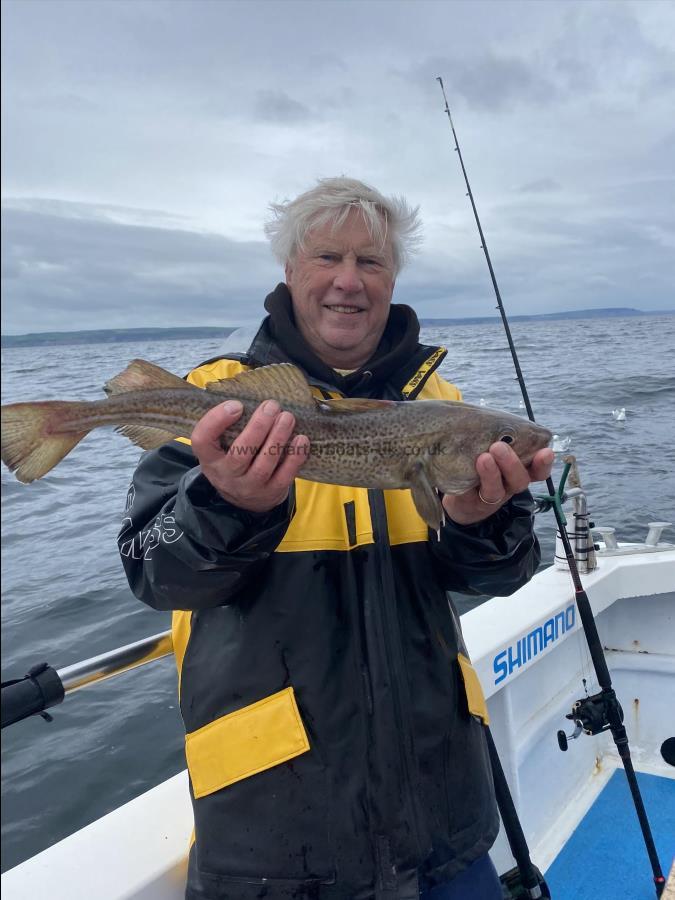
column 44, row 686
column 115, row 662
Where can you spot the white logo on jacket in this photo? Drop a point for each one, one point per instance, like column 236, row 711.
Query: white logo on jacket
column 162, row 530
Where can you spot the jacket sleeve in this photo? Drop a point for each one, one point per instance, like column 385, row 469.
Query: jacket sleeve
column 496, row 556
column 182, row 545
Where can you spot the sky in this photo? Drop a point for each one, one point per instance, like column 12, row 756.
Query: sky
column 143, row 141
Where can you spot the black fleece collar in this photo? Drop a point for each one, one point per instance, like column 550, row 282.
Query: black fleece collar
column 279, row 332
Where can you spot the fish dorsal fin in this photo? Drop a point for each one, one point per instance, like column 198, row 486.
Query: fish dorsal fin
column 355, row 404
column 283, row 382
column 143, row 375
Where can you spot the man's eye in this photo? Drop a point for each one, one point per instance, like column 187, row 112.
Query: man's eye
column 368, row 261
column 329, row 257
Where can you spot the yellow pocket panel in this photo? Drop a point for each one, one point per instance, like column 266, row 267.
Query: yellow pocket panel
column 474, row 692
column 245, row 742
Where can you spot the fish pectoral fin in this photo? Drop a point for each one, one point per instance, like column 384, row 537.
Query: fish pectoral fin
column 283, row 382
column 354, row 404
column 426, row 498
column 143, row 375
column 144, row 437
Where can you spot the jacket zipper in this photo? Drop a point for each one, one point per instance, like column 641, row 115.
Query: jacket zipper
column 393, row 655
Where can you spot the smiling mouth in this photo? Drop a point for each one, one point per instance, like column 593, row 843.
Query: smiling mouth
column 348, row 310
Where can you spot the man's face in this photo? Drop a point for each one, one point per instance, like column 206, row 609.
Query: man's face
column 341, row 284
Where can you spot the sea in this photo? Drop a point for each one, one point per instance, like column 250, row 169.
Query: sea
column 65, row 597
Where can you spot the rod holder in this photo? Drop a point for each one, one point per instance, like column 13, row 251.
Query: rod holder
column 654, row 533
column 608, row 536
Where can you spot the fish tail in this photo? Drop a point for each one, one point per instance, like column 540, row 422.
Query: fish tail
column 32, row 443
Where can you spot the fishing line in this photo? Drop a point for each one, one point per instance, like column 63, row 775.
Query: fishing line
column 602, row 710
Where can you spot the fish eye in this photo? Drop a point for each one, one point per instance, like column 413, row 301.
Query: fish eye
column 507, row 438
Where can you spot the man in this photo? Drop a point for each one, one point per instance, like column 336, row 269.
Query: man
column 334, row 750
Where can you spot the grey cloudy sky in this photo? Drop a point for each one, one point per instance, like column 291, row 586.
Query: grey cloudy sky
column 142, row 141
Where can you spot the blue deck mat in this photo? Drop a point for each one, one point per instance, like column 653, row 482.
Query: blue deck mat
column 605, row 858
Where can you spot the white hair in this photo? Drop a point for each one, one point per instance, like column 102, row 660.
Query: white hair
column 330, row 201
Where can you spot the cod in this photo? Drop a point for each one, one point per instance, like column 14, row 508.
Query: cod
column 426, row 446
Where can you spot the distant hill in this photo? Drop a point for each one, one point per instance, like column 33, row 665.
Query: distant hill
column 607, row 312
column 113, row 336
column 117, row 335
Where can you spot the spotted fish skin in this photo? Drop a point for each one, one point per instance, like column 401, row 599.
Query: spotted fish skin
column 427, row 446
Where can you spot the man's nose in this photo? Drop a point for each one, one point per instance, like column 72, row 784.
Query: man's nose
column 347, row 278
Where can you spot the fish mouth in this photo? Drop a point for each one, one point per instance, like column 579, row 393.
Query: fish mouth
column 541, row 440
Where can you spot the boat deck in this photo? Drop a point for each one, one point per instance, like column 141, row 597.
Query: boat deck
column 605, row 857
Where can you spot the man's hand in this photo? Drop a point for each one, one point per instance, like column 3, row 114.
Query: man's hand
column 501, row 476
column 256, row 473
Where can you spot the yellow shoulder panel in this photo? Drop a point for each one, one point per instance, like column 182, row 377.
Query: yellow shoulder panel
column 321, row 518
column 216, row 371
column 405, row 524
column 320, row 521
column 438, row 388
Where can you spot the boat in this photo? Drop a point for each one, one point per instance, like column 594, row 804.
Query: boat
column 532, row 659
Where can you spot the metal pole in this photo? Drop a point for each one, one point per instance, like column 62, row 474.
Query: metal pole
column 115, row 662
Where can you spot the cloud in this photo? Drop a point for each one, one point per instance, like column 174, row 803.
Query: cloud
column 66, row 272
column 540, row 186
column 595, row 51
column 489, row 82
column 102, row 212
column 278, row 107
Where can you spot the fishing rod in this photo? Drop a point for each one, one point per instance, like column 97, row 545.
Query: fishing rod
column 602, row 711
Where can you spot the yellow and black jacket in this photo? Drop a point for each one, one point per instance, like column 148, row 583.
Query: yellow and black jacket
column 333, row 732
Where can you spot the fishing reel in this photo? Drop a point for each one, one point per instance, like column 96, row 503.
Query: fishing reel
column 593, row 714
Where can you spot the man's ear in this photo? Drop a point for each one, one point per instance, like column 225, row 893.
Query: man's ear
column 288, row 269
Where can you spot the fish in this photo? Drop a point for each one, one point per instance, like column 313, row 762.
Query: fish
column 428, row 446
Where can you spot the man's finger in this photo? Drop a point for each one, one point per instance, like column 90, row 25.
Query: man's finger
column 295, row 457
column 244, row 448
column 210, row 428
column 272, row 451
column 542, row 464
column 515, row 475
column 491, row 482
